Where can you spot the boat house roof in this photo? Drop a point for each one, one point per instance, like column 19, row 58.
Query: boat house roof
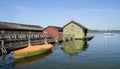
column 76, row 24
column 16, row 26
column 55, row 27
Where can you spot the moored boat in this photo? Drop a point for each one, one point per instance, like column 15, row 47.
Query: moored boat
column 30, row 60
column 110, row 34
column 32, row 51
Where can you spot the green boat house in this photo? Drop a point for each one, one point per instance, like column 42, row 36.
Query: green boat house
column 74, row 30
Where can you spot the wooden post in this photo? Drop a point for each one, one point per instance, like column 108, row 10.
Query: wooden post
column 2, row 34
column 3, row 49
column 45, row 40
column 29, row 44
column 56, row 40
column 64, row 39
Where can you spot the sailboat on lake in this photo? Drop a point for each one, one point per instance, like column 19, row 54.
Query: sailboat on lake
column 109, row 33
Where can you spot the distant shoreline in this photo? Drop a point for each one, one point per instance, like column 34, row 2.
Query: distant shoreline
column 104, row 31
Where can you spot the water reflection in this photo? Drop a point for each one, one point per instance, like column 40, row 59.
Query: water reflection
column 109, row 40
column 74, row 47
column 3, row 59
column 30, row 60
column 6, row 59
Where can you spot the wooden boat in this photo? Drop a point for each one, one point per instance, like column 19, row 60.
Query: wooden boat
column 32, row 51
column 30, row 60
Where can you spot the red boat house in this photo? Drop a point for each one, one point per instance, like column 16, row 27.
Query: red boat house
column 53, row 31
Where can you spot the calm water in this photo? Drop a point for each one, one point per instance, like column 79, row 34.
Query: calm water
column 99, row 53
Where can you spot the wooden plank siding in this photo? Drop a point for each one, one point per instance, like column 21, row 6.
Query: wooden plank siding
column 74, row 30
column 52, row 31
column 11, row 31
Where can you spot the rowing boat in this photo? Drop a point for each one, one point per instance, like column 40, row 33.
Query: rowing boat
column 30, row 60
column 32, row 51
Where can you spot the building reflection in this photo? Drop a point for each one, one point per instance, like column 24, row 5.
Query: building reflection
column 30, row 60
column 74, row 47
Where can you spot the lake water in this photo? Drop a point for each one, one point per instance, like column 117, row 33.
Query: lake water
column 102, row 52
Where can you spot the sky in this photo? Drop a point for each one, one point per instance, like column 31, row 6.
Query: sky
column 93, row 14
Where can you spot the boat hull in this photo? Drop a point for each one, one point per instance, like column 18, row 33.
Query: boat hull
column 30, row 60
column 28, row 52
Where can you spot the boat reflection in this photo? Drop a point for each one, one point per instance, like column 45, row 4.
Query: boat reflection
column 74, row 47
column 30, row 60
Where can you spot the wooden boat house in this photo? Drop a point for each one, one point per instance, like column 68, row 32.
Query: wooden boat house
column 74, row 30
column 52, row 31
column 9, row 31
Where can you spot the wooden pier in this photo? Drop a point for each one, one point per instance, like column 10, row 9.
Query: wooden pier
column 88, row 38
column 16, row 44
column 15, row 36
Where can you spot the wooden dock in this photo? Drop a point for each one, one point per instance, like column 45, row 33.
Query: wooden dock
column 20, row 43
column 88, row 38
column 16, row 44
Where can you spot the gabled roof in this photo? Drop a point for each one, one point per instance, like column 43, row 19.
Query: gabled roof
column 16, row 26
column 55, row 27
column 76, row 24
